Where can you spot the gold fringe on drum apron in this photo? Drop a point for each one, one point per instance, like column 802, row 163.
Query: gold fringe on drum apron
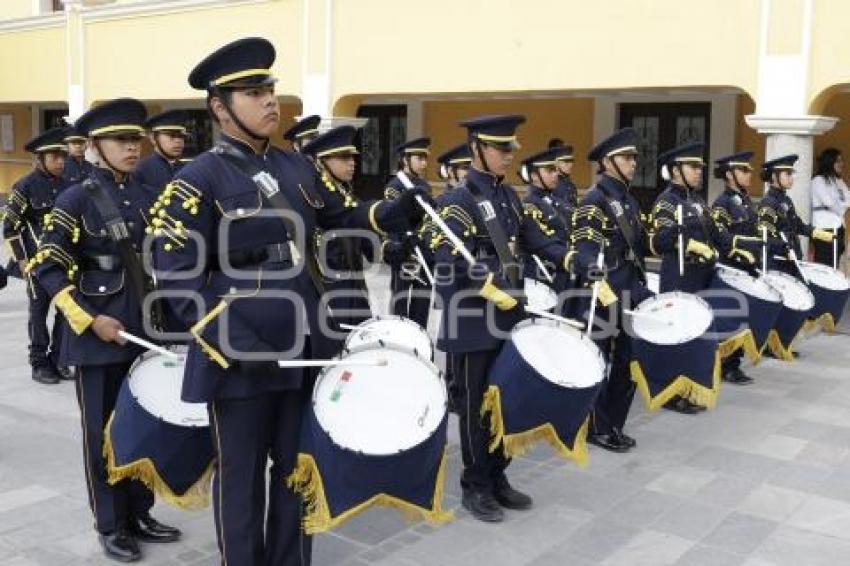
column 682, row 386
column 306, row 480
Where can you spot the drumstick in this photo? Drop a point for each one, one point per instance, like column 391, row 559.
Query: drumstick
column 457, row 242
column 594, row 294
column 835, row 248
column 421, row 259
column 410, row 273
column 542, row 268
column 732, row 269
column 556, row 318
column 347, row 326
column 329, row 363
column 149, row 345
column 648, row 316
column 793, row 255
column 764, row 249
column 679, row 214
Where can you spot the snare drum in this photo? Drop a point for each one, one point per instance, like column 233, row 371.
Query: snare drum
column 374, row 435
column 797, row 303
column 831, row 291
column 540, row 295
column 155, row 437
column 542, row 386
column 391, row 329
column 673, row 352
column 749, row 328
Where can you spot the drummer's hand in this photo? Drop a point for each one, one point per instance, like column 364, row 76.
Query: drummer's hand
column 490, row 291
column 822, row 235
column 698, row 248
column 107, row 328
column 606, row 294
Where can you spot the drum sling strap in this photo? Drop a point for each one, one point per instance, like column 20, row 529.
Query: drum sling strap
column 618, row 212
column 510, row 266
column 118, row 232
column 270, row 189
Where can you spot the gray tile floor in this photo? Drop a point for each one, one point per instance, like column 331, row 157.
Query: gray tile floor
column 762, row 480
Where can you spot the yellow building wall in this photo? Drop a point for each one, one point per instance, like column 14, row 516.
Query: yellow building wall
column 747, row 139
column 32, row 67
column 15, row 164
column 570, row 119
column 830, row 44
column 14, row 9
column 513, row 46
column 161, row 49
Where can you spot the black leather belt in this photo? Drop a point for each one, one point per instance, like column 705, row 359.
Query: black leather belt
column 101, row 263
column 269, row 254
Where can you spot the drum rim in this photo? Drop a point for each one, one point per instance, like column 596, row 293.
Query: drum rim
column 777, row 295
column 398, row 317
column 698, row 299
column 583, row 338
column 784, row 275
column 179, row 349
column 829, row 269
column 374, row 346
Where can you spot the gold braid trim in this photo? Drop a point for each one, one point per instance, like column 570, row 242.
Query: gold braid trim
column 533, row 212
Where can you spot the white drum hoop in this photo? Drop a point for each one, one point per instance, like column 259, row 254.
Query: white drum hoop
column 655, row 328
column 156, row 383
column 803, row 300
column 550, row 369
column 342, row 431
column 825, row 277
column 366, row 333
column 750, row 286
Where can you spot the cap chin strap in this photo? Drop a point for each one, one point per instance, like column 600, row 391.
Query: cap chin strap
column 623, row 178
column 408, row 166
column 251, row 134
column 735, row 182
column 543, row 184
column 115, row 171
column 161, row 151
column 480, row 154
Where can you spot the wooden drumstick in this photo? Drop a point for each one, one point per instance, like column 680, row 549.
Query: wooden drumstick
column 149, row 345
column 330, row 363
column 348, row 326
column 447, row 232
column 679, row 215
column 648, row 316
column 556, row 318
column 542, row 268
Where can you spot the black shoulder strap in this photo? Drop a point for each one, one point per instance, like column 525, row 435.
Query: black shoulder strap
column 270, row 189
column 510, row 266
column 618, row 212
column 118, row 232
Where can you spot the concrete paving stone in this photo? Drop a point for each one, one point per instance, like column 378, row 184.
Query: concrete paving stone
column 690, row 520
column 740, row 534
column 798, row 476
column 649, row 548
column 597, row 539
column 704, row 555
column 789, row 546
column 822, row 515
column 771, row 502
column 641, row 508
column 682, row 481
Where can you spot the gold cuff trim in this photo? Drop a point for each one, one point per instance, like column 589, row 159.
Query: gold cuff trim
column 199, row 326
column 77, row 317
column 373, row 222
column 502, row 300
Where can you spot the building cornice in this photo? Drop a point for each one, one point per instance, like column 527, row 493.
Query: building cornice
column 157, row 7
column 31, row 23
column 794, row 125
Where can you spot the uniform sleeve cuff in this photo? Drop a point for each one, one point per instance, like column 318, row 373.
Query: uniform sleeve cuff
column 78, row 318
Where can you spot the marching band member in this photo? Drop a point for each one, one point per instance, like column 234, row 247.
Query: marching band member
column 608, row 221
column 486, row 215
column 777, row 214
column 735, row 214
column 410, row 290
column 90, row 275
column 303, row 131
column 454, row 165
column 548, row 220
column 30, row 202
column 167, row 133
column 566, row 190
column 252, row 302
column 77, row 168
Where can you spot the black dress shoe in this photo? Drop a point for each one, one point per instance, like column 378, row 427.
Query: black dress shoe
column 681, row 405
column 67, row 373
column 737, row 377
column 120, row 546
column 147, row 529
column 608, row 442
column 482, row 505
column 509, row 498
column 45, row 375
column 624, row 438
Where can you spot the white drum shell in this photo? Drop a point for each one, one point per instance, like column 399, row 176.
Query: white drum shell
column 396, row 330
column 825, row 276
column 156, row 382
column 675, row 318
column 795, row 295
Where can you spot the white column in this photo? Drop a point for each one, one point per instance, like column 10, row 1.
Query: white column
column 75, row 51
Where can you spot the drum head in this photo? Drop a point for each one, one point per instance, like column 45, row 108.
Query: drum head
column 559, row 353
column 156, row 382
column 795, row 295
column 674, row 318
column 380, row 410
column 395, row 330
column 750, row 285
column 540, row 295
column 825, row 276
